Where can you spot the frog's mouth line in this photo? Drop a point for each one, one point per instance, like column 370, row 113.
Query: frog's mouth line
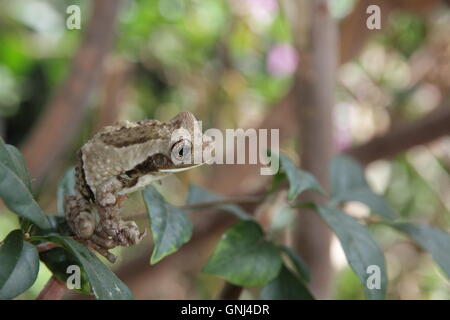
column 180, row 169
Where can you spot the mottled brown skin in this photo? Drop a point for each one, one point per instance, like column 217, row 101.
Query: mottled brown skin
column 118, row 160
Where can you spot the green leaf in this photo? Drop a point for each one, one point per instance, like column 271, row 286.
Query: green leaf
column 104, row 283
column 286, row 286
column 198, row 195
column 66, row 186
column 299, row 180
column 348, row 183
column 433, row 240
column 58, row 260
column 359, row 247
column 346, row 174
column 170, row 225
column 13, row 159
column 300, row 265
column 19, row 265
column 243, row 257
column 18, row 198
column 20, row 168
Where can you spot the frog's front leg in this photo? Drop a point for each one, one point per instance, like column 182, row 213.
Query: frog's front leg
column 108, row 206
column 109, row 203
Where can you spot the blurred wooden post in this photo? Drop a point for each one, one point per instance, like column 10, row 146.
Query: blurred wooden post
column 316, row 90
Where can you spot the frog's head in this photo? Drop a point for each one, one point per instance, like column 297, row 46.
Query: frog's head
column 187, row 145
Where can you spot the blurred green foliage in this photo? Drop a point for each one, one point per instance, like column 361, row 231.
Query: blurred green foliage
column 210, row 57
column 406, row 33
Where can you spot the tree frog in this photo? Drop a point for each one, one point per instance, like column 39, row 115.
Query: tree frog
column 121, row 159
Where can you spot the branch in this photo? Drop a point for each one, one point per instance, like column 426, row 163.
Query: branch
column 206, row 204
column 230, row 292
column 236, row 200
column 63, row 115
column 434, row 125
column 53, row 290
column 46, row 246
column 311, row 237
column 116, row 84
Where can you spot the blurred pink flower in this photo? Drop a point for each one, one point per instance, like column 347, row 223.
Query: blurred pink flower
column 261, row 12
column 282, row 60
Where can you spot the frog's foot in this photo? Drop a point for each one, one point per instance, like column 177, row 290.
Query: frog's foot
column 101, row 242
column 110, row 222
column 124, row 233
column 100, row 249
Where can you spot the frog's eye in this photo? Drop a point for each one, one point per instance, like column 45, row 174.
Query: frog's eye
column 181, row 150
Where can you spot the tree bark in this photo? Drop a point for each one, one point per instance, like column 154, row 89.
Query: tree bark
column 429, row 128
column 316, row 88
column 53, row 290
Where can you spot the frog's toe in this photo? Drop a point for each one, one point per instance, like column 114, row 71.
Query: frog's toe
column 84, row 226
column 104, row 242
column 132, row 234
column 103, row 251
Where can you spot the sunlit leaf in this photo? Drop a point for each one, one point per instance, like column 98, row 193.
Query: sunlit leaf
column 171, row 227
column 361, row 250
column 243, row 257
column 18, row 198
column 19, row 265
column 13, row 159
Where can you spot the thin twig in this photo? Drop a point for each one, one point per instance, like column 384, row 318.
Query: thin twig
column 46, row 246
column 207, row 204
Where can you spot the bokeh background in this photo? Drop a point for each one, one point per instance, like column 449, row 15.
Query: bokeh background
column 381, row 95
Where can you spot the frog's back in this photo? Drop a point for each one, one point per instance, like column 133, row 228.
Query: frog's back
column 117, row 149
